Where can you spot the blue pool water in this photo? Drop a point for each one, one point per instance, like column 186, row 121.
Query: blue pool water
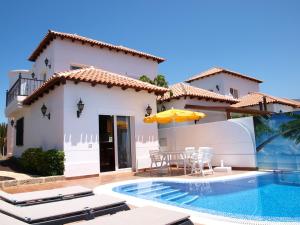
column 269, row 197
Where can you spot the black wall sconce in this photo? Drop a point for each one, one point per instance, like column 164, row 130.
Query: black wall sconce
column 44, row 111
column 148, row 110
column 12, row 122
column 163, row 108
column 80, row 107
column 218, row 87
column 47, row 63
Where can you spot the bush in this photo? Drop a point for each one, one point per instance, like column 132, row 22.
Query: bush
column 31, row 160
column 53, row 163
column 44, row 163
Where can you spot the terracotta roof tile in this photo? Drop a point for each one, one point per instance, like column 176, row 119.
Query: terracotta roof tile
column 54, row 34
column 95, row 76
column 185, row 90
column 216, row 70
column 254, row 98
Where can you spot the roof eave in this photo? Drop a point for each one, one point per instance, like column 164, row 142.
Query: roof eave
column 50, row 36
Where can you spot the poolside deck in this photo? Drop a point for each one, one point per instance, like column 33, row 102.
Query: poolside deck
column 109, row 177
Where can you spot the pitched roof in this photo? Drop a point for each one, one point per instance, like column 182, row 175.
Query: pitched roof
column 217, row 70
column 51, row 35
column 94, row 76
column 254, row 98
column 185, row 90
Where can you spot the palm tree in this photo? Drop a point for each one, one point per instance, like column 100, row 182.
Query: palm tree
column 3, row 132
column 290, row 130
column 261, row 125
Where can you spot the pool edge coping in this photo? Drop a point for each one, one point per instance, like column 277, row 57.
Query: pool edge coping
column 197, row 217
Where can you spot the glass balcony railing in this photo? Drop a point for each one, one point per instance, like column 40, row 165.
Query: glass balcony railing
column 22, row 87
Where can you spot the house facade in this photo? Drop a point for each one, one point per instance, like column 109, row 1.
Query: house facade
column 82, row 96
column 222, row 94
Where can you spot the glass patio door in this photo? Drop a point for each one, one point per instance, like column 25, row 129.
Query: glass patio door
column 124, row 142
column 106, row 142
column 114, row 142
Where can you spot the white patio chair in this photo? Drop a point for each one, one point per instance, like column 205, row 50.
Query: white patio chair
column 196, row 163
column 156, row 158
column 207, row 157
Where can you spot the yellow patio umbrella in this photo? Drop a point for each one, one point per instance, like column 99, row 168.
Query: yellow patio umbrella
column 174, row 115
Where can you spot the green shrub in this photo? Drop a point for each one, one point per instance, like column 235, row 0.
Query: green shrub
column 31, row 160
column 53, row 163
column 43, row 163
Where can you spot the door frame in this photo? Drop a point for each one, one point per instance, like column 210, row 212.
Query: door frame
column 132, row 144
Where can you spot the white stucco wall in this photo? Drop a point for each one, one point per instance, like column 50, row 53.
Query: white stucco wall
column 67, row 52
column 225, row 82
column 212, row 116
column 81, row 135
column 39, row 131
column 231, row 141
column 277, row 108
column 39, row 67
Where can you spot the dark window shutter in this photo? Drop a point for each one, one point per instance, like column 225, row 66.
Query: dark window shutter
column 20, row 132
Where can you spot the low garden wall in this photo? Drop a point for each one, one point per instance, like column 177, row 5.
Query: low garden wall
column 36, row 180
column 232, row 141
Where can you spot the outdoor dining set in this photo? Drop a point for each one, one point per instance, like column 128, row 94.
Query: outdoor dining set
column 196, row 160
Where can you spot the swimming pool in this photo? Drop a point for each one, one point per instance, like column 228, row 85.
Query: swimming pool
column 267, row 197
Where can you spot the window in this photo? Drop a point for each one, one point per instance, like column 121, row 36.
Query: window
column 20, row 132
column 74, row 67
column 234, row 93
column 44, row 77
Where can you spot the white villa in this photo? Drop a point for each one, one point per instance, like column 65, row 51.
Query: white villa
column 83, row 96
column 222, row 93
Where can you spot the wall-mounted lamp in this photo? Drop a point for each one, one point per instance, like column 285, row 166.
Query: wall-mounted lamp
column 163, row 108
column 80, row 107
column 47, row 63
column 12, row 122
column 148, row 110
column 44, row 111
column 218, row 88
column 33, row 75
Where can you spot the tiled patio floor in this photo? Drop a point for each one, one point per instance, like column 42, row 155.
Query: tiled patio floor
column 105, row 178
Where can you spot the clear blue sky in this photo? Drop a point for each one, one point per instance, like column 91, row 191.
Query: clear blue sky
column 258, row 37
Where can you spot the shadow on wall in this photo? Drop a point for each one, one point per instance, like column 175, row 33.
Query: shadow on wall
column 81, row 139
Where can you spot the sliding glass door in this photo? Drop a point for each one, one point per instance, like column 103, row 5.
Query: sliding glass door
column 124, row 142
column 114, row 142
column 106, row 142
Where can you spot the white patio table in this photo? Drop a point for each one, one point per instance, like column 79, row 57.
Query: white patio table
column 176, row 157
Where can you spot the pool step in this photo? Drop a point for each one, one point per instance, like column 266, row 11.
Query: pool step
column 153, row 190
column 166, row 193
column 194, row 198
column 131, row 189
column 176, row 197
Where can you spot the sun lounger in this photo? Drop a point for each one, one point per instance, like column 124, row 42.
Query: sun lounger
column 145, row 215
column 37, row 197
column 66, row 211
column 7, row 220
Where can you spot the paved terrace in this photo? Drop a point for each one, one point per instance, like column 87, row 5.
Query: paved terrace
column 110, row 177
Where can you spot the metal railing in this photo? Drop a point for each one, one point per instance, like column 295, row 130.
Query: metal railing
column 22, row 87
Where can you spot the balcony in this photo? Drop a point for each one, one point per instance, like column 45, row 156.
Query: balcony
column 22, row 87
